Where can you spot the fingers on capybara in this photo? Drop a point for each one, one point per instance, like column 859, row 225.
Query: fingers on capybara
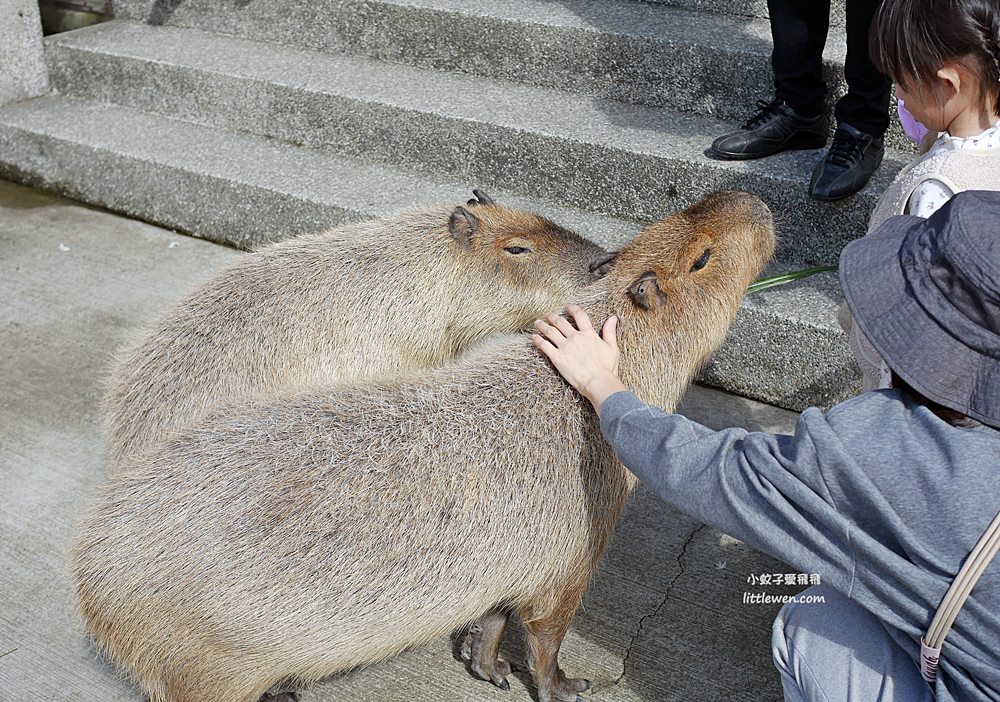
column 355, row 303
column 306, row 533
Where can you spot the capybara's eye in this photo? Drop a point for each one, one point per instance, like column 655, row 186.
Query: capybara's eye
column 702, row 260
column 516, row 250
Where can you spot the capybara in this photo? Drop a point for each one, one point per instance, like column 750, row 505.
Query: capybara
column 304, row 534
column 358, row 302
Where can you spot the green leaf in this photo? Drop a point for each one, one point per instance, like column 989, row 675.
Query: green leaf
column 782, row 278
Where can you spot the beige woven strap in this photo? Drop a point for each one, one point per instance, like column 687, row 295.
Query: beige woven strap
column 930, row 645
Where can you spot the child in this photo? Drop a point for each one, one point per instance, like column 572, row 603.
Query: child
column 944, row 56
column 884, row 496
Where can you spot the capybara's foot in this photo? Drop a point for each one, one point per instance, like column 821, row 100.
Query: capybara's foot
column 563, row 689
column 479, row 650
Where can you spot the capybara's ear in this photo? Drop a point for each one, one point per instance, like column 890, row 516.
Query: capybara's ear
column 599, row 267
column 646, row 293
column 463, row 225
column 480, row 198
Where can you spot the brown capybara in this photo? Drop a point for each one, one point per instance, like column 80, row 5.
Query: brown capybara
column 361, row 301
column 300, row 535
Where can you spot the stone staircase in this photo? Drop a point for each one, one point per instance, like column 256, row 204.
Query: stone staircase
column 245, row 121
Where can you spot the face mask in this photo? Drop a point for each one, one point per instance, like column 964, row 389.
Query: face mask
column 911, row 126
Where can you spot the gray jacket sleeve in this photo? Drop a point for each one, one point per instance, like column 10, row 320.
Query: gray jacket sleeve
column 767, row 490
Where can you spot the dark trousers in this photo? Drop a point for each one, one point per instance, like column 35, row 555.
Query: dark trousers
column 799, row 29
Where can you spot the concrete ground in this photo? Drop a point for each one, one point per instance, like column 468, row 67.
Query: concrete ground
column 663, row 620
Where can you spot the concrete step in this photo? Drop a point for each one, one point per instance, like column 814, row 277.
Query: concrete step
column 785, row 347
column 636, row 52
column 629, row 51
column 627, row 161
column 234, row 189
column 748, row 8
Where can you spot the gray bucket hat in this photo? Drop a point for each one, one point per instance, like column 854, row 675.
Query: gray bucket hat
column 926, row 294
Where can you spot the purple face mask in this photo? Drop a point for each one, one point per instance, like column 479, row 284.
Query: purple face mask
column 911, row 126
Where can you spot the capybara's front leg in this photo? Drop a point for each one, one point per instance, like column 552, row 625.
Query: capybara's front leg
column 546, row 631
column 482, row 648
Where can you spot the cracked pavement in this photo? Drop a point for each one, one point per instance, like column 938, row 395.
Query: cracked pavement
column 663, row 602
column 664, row 618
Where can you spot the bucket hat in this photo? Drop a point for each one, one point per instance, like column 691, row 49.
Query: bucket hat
column 926, row 294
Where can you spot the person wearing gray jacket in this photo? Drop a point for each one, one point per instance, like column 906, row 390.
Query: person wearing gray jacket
column 885, row 495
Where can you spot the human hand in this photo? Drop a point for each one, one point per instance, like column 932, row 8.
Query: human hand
column 587, row 361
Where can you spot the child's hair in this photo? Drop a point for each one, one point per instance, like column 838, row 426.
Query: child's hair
column 911, row 39
column 952, row 417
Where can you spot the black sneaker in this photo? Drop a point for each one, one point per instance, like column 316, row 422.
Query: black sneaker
column 775, row 128
column 848, row 165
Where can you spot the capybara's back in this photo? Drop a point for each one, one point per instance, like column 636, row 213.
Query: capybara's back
column 306, row 533
column 325, row 481
column 355, row 303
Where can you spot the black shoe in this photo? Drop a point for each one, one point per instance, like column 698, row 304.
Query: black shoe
column 848, row 165
column 775, row 128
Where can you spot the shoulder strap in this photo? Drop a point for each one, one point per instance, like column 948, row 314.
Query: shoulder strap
column 958, row 593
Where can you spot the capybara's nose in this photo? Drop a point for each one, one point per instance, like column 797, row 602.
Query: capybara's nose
column 762, row 210
column 759, row 209
column 756, row 208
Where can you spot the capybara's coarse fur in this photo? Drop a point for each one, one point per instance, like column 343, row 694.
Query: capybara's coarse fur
column 358, row 302
column 300, row 535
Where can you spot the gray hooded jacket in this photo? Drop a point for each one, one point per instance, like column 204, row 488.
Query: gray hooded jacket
column 880, row 497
